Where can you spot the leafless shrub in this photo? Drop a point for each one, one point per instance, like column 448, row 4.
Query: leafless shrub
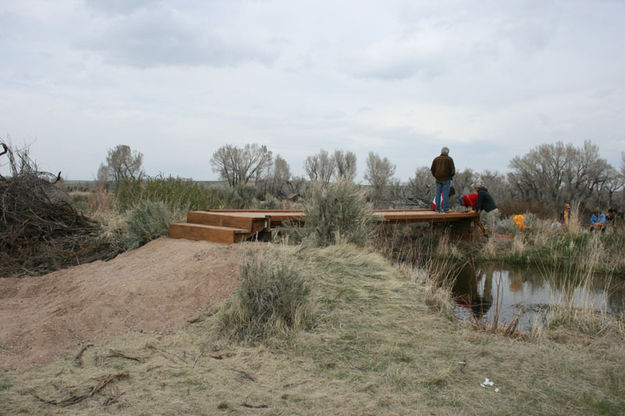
column 40, row 230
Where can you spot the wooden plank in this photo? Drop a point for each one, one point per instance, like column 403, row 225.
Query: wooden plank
column 225, row 220
column 278, row 218
column 206, row 232
column 425, row 216
column 229, row 226
column 264, row 211
column 275, row 216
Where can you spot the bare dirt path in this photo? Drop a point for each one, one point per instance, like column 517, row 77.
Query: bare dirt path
column 159, row 287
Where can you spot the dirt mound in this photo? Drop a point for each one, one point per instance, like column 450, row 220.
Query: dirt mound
column 158, row 288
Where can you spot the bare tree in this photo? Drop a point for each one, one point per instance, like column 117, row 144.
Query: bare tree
column 104, row 174
column 121, row 163
column 497, row 185
column 585, row 173
column 345, row 165
column 421, row 189
column 539, row 175
column 555, row 173
column 297, row 185
column 615, row 182
column 320, row 167
column 278, row 177
column 463, row 180
column 378, row 173
column 239, row 165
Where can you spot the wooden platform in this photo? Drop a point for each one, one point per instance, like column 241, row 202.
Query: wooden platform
column 235, row 225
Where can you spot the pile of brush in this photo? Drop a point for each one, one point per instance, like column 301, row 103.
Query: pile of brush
column 40, row 231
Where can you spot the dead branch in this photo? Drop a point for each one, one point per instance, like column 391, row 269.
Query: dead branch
column 215, row 356
column 79, row 398
column 78, row 357
column 511, row 328
column 244, row 374
column 40, row 231
column 119, row 354
column 197, row 358
column 115, row 395
column 173, row 357
column 254, row 406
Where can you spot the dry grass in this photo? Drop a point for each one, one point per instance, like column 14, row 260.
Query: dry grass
column 377, row 349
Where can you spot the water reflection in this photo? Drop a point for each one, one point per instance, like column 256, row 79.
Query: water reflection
column 476, row 289
column 469, row 296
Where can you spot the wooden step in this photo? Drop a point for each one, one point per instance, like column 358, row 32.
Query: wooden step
column 275, row 216
column 252, row 223
column 213, row 233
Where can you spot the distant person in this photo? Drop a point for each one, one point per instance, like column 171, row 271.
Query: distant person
column 486, row 206
column 565, row 214
column 519, row 221
column 597, row 220
column 468, row 201
column 611, row 216
column 443, row 170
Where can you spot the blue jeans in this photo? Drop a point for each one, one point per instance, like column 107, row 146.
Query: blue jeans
column 442, row 186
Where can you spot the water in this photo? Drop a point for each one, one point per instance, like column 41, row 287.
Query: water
column 478, row 291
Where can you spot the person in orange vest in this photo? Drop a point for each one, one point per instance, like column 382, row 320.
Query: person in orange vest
column 565, row 214
column 519, row 221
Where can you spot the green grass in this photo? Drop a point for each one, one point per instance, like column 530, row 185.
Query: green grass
column 176, row 193
column 575, row 249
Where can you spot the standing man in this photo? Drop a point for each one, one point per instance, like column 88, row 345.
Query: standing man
column 443, row 170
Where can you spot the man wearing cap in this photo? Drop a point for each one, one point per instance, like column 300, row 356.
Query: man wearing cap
column 486, row 206
column 443, row 170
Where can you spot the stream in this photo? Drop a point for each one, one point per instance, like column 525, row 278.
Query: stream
column 480, row 291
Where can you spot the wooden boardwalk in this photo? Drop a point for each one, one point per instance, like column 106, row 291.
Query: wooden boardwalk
column 235, row 225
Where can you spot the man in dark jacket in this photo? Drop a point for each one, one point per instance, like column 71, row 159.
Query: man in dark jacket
column 443, row 170
column 486, row 207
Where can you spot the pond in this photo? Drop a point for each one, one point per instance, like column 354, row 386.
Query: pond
column 480, row 291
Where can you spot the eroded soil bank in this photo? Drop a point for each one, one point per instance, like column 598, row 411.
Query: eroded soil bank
column 158, row 288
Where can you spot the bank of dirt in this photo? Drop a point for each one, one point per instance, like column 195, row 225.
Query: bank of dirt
column 159, row 288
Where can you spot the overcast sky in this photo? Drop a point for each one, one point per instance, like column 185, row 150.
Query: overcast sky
column 176, row 80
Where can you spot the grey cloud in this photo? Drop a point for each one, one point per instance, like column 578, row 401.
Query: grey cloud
column 429, row 46
column 391, row 70
column 394, row 68
column 152, row 38
column 119, row 7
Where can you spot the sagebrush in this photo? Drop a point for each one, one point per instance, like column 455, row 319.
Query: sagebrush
column 272, row 298
column 147, row 221
column 337, row 212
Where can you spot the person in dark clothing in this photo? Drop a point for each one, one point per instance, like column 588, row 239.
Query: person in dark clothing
column 443, row 170
column 486, row 206
column 610, row 217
